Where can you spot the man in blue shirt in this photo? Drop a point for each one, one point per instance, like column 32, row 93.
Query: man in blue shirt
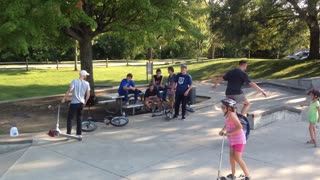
column 127, row 87
column 183, row 84
column 236, row 78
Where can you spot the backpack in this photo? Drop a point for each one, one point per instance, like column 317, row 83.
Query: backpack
column 245, row 124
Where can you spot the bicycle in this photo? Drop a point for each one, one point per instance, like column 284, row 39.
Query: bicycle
column 117, row 121
column 165, row 109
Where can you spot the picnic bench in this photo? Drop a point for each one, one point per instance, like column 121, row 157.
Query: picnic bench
column 113, row 97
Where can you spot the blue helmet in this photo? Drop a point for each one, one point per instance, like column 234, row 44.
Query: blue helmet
column 229, row 102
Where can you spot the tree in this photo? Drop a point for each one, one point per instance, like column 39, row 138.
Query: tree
column 308, row 12
column 247, row 26
column 100, row 16
column 28, row 23
column 31, row 23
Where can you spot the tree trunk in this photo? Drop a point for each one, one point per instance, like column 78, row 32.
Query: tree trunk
column 314, row 40
column 212, row 50
column 76, row 56
column 86, row 60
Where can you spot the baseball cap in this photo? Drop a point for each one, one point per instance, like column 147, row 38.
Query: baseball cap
column 84, row 73
column 184, row 66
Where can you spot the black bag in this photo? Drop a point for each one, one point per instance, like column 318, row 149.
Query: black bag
column 245, row 124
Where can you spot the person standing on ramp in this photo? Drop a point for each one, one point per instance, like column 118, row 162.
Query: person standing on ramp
column 236, row 78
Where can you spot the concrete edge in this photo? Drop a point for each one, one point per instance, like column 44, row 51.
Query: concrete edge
column 273, row 110
column 8, row 145
column 291, row 88
column 26, row 141
column 61, row 95
column 285, row 86
column 261, row 119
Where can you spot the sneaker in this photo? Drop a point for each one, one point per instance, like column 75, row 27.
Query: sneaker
column 247, row 178
column 175, row 116
column 183, row 118
column 241, row 176
column 231, row 177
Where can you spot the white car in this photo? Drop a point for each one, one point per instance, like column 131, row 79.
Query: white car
column 302, row 55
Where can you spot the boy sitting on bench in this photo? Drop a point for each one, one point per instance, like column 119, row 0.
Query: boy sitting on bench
column 151, row 97
column 126, row 87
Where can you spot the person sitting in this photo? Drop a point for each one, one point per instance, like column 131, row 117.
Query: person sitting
column 157, row 82
column 127, row 87
column 151, row 97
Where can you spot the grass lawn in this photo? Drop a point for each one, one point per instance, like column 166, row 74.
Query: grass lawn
column 17, row 84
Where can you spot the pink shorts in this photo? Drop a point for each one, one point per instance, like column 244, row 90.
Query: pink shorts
column 238, row 147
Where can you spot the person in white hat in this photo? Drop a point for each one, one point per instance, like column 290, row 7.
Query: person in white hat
column 80, row 90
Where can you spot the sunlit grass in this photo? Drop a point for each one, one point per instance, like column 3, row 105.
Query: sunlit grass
column 22, row 84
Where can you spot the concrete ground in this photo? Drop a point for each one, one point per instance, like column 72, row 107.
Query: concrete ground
column 151, row 148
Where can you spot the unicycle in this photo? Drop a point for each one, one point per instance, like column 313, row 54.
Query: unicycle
column 90, row 124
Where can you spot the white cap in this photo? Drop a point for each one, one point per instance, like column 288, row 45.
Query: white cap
column 84, row 73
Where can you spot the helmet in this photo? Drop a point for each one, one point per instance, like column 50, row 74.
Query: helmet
column 315, row 92
column 229, row 102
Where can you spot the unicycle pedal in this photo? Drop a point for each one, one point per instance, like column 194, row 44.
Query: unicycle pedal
column 222, row 178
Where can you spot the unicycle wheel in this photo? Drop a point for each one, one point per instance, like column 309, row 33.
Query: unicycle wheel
column 88, row 126
column 119, row 121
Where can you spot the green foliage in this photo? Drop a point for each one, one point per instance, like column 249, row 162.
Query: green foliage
column 37, row 28
column 27, row 23
column 258, row 26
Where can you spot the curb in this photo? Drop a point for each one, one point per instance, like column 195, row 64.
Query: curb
column 10, row 144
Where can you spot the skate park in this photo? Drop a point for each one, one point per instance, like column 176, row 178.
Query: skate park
column 151, row 148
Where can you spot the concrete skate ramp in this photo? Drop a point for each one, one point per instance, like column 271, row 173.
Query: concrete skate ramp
column 260, row 119
column 282, row 103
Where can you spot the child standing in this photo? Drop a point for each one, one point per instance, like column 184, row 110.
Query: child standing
column 313, row 115
column 236, row 137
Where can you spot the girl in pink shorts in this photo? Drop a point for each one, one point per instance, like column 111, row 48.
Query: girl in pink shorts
column 236, row 137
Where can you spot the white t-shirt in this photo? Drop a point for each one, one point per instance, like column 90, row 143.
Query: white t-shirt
column 80, row 88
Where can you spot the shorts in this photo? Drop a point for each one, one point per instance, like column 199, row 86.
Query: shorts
column 239, row 98
column 238, row 147
column 171, row 97
column 152, row 100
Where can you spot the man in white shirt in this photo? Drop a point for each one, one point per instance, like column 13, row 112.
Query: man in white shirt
column 80, row 90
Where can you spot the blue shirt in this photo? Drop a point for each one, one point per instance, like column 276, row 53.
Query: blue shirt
column 125, row 83
column 183, row 83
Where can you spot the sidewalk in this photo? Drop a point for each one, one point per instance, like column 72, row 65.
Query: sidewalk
column 151, row 148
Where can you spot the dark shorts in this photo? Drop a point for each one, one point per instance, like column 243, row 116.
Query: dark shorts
column 239, row 98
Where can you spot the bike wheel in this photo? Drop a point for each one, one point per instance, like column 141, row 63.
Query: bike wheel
column 119, row 121
column 88, row 126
